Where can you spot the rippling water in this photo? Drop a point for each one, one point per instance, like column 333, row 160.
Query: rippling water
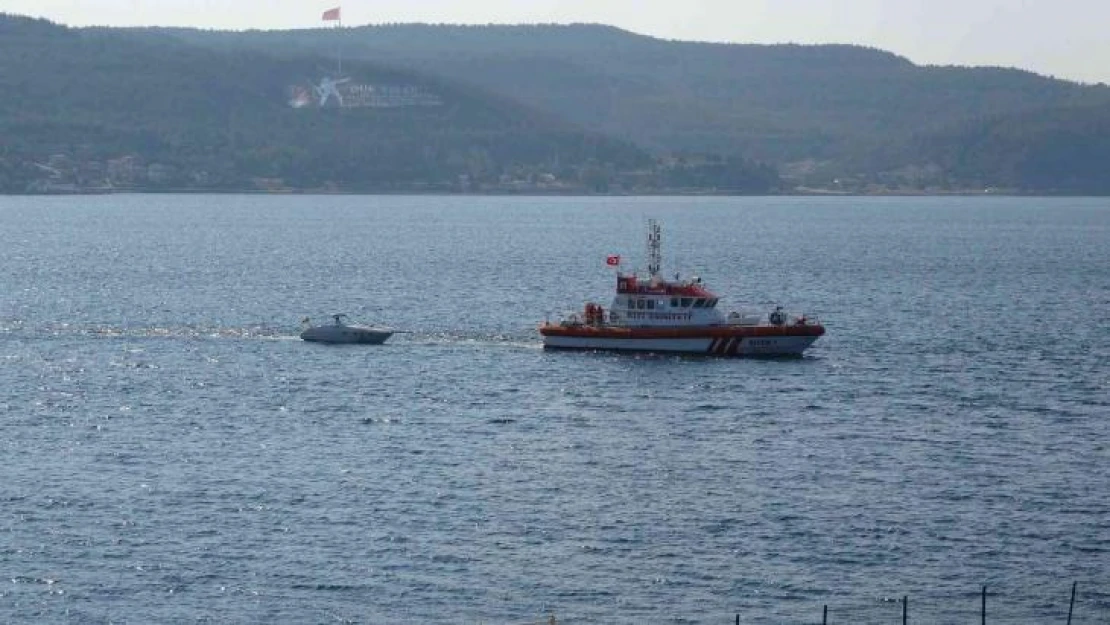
column 171, row 451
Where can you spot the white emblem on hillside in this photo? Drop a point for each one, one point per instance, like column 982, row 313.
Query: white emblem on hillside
column 331, row 92
column 327, row 88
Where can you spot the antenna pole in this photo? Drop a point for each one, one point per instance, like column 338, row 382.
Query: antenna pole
column 654, row 242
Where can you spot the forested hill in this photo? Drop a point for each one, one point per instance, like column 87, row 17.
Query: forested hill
column 1055, row 150
column 579, row 108
column 778, row 102
column 768, row 102
column 97, row 108
column 820, row 112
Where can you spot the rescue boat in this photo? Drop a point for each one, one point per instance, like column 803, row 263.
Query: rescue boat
column 652, row 314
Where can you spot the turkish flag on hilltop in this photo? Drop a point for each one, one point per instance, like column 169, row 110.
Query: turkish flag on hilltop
column 331, row 15
column 613, row 260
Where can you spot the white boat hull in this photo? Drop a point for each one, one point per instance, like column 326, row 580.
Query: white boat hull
column 722, row 346
column 346, row 334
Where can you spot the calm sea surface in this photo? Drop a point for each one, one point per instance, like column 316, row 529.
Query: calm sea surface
column 171, row 452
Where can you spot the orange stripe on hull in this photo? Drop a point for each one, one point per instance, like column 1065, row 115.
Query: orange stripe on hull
column 725, row 338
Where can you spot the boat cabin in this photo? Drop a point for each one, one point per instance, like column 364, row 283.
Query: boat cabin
column 658, row 302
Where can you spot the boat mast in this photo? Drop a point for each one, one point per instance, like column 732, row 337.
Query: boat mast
column 654, row 242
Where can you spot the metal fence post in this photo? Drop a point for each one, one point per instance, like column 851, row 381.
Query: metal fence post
column 1071, row 606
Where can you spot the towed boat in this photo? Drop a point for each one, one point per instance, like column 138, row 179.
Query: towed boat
column 652, row 314
column 339, row 332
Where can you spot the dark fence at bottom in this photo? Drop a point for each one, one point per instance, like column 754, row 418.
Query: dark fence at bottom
column 993, row 611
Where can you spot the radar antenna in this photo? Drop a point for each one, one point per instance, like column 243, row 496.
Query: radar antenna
column 654, row 243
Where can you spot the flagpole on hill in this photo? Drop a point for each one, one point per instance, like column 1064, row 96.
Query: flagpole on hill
column 335, row 15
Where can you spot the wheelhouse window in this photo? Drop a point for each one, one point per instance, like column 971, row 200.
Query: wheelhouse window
column 651, row 304
column 640, row 304
column 699, row 303
column 687, row 301
column 674, row 302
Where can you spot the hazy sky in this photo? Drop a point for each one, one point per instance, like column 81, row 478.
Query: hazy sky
column 1063, row 38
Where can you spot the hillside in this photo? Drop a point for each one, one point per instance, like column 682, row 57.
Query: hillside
column 779, row 103
column 108, row 108
column 581, row 108
column 1053, row 150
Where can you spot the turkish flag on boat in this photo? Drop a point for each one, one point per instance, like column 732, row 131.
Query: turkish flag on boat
column 613, row 260
column 331, row 15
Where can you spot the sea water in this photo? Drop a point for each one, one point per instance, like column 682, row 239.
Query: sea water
column 173, row 453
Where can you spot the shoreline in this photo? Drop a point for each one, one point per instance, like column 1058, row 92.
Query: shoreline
column 549, row 195
column 797, row 192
